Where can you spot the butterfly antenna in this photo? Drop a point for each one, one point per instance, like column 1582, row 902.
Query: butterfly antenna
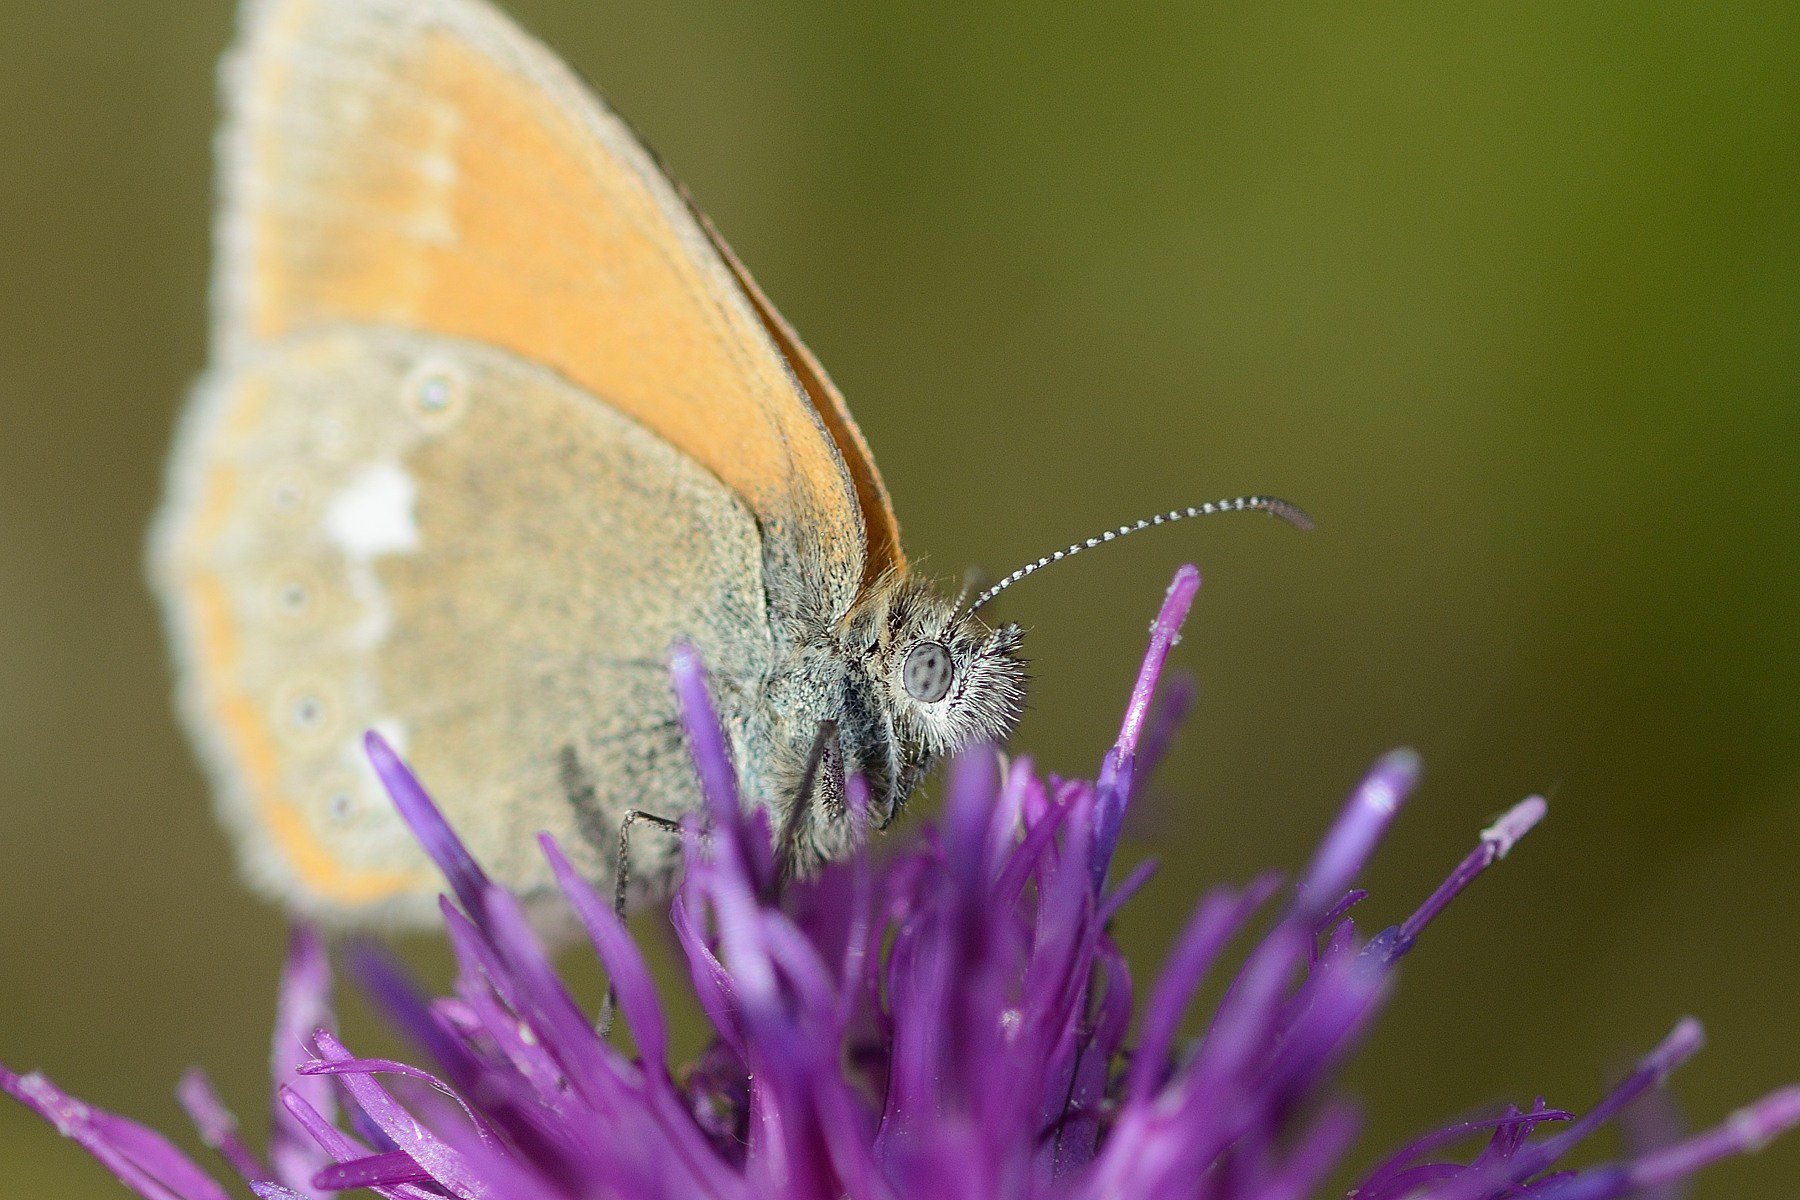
column 1269, row 504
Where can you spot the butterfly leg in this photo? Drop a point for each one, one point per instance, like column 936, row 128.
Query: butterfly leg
column 621, row 886
column 622, row 873
column 822, row 782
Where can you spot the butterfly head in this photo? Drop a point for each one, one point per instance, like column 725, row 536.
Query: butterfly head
column 945, row 679
column 906, row 677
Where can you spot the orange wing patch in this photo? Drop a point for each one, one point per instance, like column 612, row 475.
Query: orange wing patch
column 424, row 165
column 214, row 634
column 880, row 525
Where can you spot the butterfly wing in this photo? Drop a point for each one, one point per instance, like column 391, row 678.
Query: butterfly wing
column 375, row 528
column 490, row 422
column 881, row 527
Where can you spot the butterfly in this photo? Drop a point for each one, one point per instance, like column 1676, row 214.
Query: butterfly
column 492, row 418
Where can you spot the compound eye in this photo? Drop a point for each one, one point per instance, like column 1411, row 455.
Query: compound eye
column 928, row 672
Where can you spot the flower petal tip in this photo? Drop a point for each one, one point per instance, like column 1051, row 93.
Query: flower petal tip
column 684, row 661
column 427, row 823
column 1687, row 1039
column 1768, row 1118
column 1360, row 825
column 1393, row 778
column 1186, row 581
column 1514, row 824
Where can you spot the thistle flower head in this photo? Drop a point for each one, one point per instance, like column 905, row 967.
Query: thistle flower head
column 952, row 1021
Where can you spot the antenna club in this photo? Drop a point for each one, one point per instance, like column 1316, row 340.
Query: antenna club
column 1293, row 514
column 1274, row 506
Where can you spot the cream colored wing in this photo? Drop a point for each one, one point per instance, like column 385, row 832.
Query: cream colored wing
column 381, row 529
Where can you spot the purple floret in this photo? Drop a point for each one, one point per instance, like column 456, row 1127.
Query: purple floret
column 951, row 1020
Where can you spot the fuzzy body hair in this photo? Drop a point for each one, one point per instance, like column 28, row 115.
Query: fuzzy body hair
column 851, row 672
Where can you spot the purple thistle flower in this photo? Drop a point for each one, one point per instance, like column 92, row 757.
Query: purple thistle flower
column 950, row 1022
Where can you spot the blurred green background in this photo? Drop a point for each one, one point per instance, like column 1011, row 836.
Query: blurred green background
column 1507, row 295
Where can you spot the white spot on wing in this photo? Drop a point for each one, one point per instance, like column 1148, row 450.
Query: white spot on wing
column 373, row 515
column 370, row 517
